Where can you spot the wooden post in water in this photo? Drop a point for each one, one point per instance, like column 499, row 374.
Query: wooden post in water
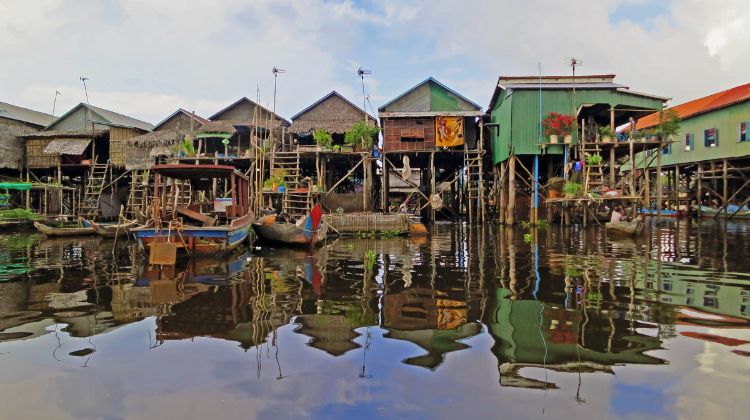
column 501, row 190
column 385, row 186
column 677, row 186
column 725, row 187
column 659, row 181
column 699, row 192
column 511, row 190
column 432, row 184
column 647, row 187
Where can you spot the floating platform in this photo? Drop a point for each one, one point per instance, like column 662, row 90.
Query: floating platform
column 354, row 223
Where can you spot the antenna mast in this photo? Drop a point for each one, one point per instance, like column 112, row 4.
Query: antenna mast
column 362, row 72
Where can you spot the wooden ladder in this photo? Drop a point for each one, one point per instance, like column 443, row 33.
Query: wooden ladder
column 474, row 184
column 293, row 203
column 594, row 173
column 184, row 192
column 138, row 196
column 89, row 207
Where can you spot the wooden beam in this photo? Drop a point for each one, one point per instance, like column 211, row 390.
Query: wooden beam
column 511, row 191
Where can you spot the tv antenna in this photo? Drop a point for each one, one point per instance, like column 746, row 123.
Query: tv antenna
column 275, row 72
column 362, row 72
column 85, row 90
column 575, row 62
column 54, row 104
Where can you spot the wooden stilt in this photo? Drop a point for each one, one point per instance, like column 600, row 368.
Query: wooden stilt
column 501, row 192
column 432, row 184
column 509, row 217
column 659, row 181
column 725, row 187
column 699, row 189
column 385, row 186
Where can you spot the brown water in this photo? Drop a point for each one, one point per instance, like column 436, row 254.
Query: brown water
column 466, row 323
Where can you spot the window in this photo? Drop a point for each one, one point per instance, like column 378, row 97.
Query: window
column 689, row 142
column 711, row 137
column 743, row 131
column 666, row 149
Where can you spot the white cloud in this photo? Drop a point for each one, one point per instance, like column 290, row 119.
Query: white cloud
column 147, row 58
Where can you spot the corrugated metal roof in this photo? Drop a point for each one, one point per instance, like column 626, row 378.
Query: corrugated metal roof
column 429, row 80
column 17, row 113
column 111, row 118
column 543, row 86
column 702, row 105
column 67, row 147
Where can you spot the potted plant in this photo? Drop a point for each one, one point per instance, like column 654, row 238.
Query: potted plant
column 555, row 125
column 361, row 134
column 572, row 189
column 606, row 134
column 323, row 138
column 594, row 160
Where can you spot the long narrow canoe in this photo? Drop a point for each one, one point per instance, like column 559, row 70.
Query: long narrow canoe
column 710, row 212
column 625, row 228
column 64, row 231
column 110, row 230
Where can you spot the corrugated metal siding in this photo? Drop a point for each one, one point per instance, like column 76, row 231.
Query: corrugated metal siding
column 523, row 118
column 726, row 121
column 444, row 100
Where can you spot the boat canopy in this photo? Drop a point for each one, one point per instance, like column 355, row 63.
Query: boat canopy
column 18, row 186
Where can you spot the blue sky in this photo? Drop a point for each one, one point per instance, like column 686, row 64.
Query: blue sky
column 148, row 58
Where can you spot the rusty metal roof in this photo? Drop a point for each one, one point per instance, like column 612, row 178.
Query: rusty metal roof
column 702, row 105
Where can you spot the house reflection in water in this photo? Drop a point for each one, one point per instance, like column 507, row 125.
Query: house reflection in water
column 531, row 333
column 430, row 319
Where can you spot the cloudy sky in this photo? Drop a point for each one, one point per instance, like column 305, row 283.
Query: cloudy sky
column 146, row 58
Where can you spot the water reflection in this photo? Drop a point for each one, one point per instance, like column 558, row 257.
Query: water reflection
column 548, row 316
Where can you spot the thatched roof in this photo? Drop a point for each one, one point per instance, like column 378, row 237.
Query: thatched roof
column 228, row 126
column 75, row 146
column 65, row 134
column 142, row 150
column 157, row 138
column 333, row 126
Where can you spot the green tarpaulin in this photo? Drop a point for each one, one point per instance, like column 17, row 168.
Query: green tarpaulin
column 19, row 186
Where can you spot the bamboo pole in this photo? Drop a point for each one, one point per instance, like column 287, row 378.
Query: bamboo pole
column 699, row 198
column 725, row 188
column 432, row 184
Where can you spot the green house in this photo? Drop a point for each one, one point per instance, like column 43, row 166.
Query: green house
column 712, row 128
column 519, row 104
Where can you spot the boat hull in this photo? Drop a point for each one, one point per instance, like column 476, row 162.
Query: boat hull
column 64, row 231
column 195, row 240
column 710, row 212
column 284, row 233
column 625, row 228
column 111, row 230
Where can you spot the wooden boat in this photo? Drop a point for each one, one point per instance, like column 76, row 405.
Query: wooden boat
column 710, row 212
column 195, row 227
column 51, row 228
column 308, row 233
column 110, row 230
column 625, row 228
column 663, row 213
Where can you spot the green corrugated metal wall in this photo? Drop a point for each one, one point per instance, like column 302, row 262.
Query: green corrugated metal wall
column 518, row 116
column 726, row 121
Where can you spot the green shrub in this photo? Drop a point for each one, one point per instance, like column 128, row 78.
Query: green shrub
column 594, row 159
column 323, row 138
column 572, row 189
column 361, row 133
